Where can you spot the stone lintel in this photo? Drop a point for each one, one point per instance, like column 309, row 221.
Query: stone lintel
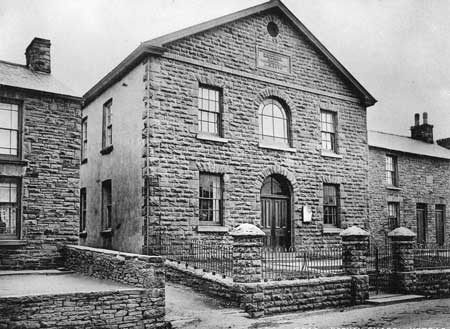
column 247, row 230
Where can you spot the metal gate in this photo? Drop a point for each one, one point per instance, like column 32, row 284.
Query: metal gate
column 379, row 266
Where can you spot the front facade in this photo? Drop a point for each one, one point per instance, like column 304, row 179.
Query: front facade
column 39, row 162
column 409, row 185
column 247, row 118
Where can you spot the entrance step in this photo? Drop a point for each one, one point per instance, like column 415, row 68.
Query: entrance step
column 386, row 299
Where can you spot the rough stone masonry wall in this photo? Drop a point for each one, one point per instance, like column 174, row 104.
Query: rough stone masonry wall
column 433, row 283
column 174, row 156
column 137, row 270
column 50, row 198
column 132, row 308
column 421, row 180
column 269, row 297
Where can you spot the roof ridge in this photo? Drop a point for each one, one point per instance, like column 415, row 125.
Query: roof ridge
column 11, row 63
column 388, row 133
column 186, row 31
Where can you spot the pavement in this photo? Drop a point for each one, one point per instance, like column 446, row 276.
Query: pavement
column 187, row 309
column 32, row 283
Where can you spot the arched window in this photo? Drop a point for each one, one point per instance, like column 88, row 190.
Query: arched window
column 273, row 122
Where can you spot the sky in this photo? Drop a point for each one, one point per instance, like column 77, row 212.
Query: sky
column 399, row 50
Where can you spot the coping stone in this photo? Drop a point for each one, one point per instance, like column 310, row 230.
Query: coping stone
column 402, row 231
column 354, row 231
column 247, row 230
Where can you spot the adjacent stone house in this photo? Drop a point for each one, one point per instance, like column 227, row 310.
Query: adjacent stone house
column 39, row 161
column 409, row 184
column 245, row 118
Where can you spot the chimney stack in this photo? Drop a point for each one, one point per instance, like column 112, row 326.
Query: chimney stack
column 38, row 55
column 424, row 131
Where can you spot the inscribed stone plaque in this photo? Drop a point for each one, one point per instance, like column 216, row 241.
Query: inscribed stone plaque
column 307, row 214
column 273, row 61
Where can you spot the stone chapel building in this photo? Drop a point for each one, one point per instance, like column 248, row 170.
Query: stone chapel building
column 39, row 162
column 244, row 118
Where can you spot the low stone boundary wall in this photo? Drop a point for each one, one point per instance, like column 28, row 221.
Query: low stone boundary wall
column 432, row 283
column 134, row 308
column 265, row 298
column 144, row 309
column 133, row 269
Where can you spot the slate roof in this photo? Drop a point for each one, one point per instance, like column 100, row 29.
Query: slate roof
column 406, row 145
column 156, row 46
column 17, row 75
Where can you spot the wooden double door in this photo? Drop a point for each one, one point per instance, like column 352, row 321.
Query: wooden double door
column 275, row 212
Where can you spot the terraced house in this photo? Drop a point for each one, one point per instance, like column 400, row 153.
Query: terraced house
column 39, row 161
column 245, row 118
column 409, row 184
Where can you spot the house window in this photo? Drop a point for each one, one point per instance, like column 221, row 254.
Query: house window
column 391, row 170
column 210, row 199
column 9, row 208
column 209, row 104
column 393, row 215
column 328, row 130
column 273, row 122
column 83, row 209
column 106, row 205
column 9, row 129
column 107, row 124
column 440, row 224
column 84, row 140
column 330, row 205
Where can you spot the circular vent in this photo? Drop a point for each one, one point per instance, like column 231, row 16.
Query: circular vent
column 272, row 28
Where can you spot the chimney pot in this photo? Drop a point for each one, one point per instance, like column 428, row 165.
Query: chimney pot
column 424, row 131
column 416, row 119
column 425, row 118
column 38, row 55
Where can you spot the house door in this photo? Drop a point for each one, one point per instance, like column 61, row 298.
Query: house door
column 275, row 212
column 440, row 210
column 421, row 213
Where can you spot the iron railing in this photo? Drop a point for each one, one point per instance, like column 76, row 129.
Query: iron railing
column 379, row 259
column 379, row 267
column 213, row 257
column 428, row 256
column 289, row 263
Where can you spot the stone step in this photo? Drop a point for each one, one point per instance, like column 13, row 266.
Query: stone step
column 386, row 299
column 183, row 322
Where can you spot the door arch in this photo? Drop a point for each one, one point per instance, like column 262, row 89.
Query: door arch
column 276, row 211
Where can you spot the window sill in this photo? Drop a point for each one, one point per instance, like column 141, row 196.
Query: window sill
column 331, row 230
column 106, row 233
column 83, row 235
column 331, row 154
column 13, row 161
column 107, row 150
column 13, row 243
column 212, row 229
column 83, row 161
column 393, row 188
column 278, row 147
column 212, row 138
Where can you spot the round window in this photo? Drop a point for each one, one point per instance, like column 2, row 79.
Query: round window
column 272, row 28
